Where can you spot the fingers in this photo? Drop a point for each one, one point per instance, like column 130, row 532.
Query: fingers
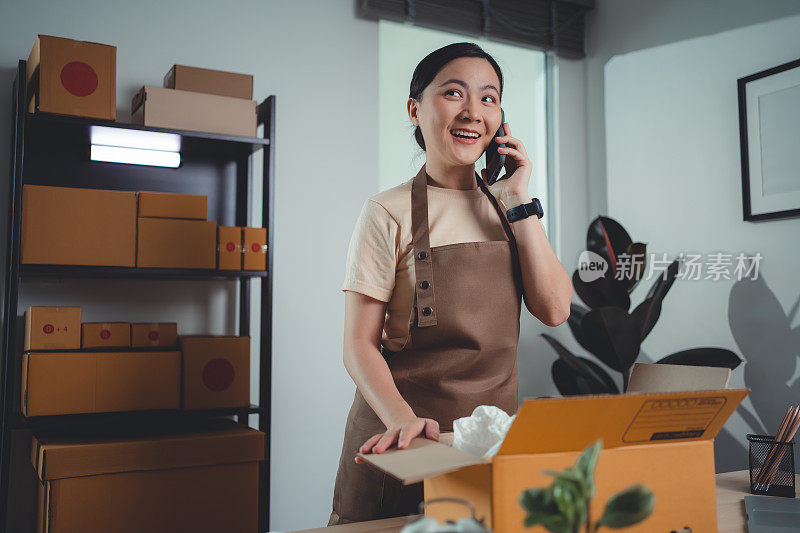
column 516, row 154
column 388, row 438
column 371, row 442
column 432, row 429
column 409, row 432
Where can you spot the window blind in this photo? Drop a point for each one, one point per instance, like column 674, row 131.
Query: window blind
column 556, row 25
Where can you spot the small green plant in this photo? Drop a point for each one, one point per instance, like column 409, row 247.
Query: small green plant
column 563, row 506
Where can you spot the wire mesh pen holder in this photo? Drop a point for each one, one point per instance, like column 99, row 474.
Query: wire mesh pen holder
column 771, row 466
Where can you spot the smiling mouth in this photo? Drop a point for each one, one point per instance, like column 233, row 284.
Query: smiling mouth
column 462, row 134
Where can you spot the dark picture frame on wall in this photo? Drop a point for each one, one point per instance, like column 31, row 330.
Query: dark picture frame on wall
column 769, row 138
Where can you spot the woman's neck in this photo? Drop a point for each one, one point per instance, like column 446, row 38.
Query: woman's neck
column 451, row 176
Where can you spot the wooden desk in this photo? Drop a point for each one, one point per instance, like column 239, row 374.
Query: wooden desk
column 732, row 487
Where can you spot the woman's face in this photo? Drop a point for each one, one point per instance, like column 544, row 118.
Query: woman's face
column 464, row 97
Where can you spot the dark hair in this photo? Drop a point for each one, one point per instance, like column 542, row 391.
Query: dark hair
column 429, row 67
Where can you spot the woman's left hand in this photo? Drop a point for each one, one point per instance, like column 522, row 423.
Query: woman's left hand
column 520, row 168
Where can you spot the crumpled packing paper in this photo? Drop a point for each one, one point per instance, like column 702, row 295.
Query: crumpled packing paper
column 483, row 432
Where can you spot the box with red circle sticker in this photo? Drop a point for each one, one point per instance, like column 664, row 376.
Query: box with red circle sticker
column 216, row 371
column 52, row 328
column 72, row 77
column 106, row 335
column 255, row 249
column 229, row 248
column 153, row 335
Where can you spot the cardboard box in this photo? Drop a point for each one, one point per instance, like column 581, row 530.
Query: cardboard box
column 187, row 110
column 662, row 440
column 52, row 328
column 216, row 371
column 203, row 481
column 203, row 80
column 152, row 335
column 255, row 249
column 656, row 377
column 83, row 382
column 172, row 243
column 106, row 335
column 71, row 77
column 69, row 226
column 168, row 205
column 229, row 248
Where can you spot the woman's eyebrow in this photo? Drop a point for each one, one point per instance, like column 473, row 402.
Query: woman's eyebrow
column 464, row 85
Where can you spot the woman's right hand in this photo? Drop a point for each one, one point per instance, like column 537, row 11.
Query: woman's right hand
column 400, row 433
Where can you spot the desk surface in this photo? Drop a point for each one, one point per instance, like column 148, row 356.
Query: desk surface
column 732, row 487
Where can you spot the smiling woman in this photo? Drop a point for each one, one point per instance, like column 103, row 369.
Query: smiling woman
column 434, row 279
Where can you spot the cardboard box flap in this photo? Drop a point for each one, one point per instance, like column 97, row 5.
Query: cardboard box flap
column 423, row 458
column 58, row 455
column 657, row 377
column 571, row 424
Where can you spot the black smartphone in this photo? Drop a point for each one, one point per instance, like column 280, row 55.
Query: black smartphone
column 495, row 161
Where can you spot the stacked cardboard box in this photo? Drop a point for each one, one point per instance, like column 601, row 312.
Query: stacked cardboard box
column 216, row 371
column 202, row 478
column 174, row 233
column 198, row 99
column 71, row 77
column 152, row 335
column 72, row 226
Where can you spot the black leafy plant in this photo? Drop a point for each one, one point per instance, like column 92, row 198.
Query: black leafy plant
column 608, row 329
column 564, row 506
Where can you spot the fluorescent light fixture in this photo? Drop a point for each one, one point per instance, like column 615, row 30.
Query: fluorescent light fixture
column 135, row 156
column 147, row 140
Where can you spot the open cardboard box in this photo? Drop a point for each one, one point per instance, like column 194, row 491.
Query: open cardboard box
column 661, row 440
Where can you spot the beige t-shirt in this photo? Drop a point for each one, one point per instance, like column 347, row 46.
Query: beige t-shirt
column 380, row 259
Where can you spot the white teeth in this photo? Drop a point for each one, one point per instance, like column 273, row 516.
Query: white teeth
column 466, row 133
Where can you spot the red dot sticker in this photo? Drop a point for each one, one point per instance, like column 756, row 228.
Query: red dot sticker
column 153, row 336
column 230, row 247
column 48, row 329
column 105, row 334
column 218, row 374
column 79, row 78
column 256, row 247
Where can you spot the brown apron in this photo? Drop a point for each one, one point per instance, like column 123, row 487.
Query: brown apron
column 462, row 353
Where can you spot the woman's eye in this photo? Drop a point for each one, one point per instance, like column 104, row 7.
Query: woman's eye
column 490, row 96
column 451, row 91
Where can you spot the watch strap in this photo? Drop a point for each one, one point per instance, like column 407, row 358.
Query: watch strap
column 525, row 210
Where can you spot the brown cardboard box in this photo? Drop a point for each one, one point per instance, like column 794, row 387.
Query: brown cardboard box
column 229, row 248
column 83, row 382
column 255, row 249
column 69, row 226
column 168, row 205
column 52, row 328
column 662, row 440
column 72, row 78
column 150, row 335
column 216, row 371
column 106, row 335
column 203, row 80
column 203, row 481
column 187, row 110
column 172, row 243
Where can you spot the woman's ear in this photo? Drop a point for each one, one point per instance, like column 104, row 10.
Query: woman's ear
column 413, row 107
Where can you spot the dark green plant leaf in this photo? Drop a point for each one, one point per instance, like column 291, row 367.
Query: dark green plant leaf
column 613, row 336
column 662, row 284
column 637, row 261
column 628, row 507
column 586, row 464
column 607, row 238
column 601, row 292
column 719, row 357
column 576, row 375
column 648, row 313
column 576, row 312
column 541, row 509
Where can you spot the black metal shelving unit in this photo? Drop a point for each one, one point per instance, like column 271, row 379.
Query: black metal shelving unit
column 54, row 150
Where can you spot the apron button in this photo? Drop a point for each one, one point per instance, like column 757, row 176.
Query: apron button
column 427, row 311
column 422, row 255
column 424, row 284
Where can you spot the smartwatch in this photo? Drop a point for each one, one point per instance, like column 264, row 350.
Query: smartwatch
column 525, row 210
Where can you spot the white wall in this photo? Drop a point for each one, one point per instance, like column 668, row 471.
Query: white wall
column 321, row 63
column 664, row 158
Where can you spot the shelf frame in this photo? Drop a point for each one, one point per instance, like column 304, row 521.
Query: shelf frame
column 198, row 144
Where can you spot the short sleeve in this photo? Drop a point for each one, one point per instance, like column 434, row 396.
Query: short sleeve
column 372, row 253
